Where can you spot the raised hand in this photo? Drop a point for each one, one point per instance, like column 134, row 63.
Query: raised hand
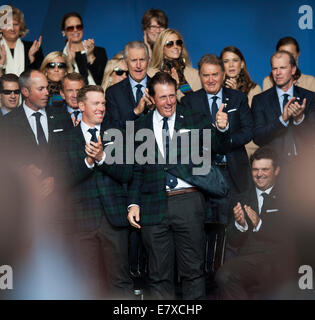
column 34, row 48
column 239, row 215
column 221, row 117
column 287, row 113
column 231, row 83
column 252, row 215
column 297, row 110
column 145, row 102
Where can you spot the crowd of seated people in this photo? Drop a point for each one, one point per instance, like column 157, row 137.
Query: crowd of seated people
column 142, row 220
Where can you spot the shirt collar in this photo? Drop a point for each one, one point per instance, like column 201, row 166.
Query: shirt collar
column 29, row 112
column 219, row 95
column 157, row 117
column 133, row 83
column 280, row 92
column 70, row 110
column 259, row 192
column 85, row 127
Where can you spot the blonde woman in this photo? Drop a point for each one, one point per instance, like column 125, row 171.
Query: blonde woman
column 170, row 55
column 116, row 70
column 55, row 66
column 17, row 55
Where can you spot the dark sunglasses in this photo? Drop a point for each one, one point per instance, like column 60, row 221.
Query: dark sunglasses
column 7, row 92
column 60, row 65
column 120, row 72
column 170, row 44
column 78, row 27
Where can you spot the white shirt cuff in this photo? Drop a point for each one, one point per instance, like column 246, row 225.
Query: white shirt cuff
column 241, row 228
column 223, row 130
column 284, row 123
column 99, row 163
column 297, row 123
column 258, row 226
column 90, row 166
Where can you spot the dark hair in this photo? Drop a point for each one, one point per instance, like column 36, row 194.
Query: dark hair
column 160, row 78
column 265, row 153
column 68, row 15
column 9, row 77
column 244, row 81
column 25, row 78
column 288, row 40
column 73, row 76
column 157, row 14
column 210, row 59
column 90, row 88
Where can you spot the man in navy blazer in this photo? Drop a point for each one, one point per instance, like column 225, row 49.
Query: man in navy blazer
column 128, row 99
column 234, row 164
column 282, row 114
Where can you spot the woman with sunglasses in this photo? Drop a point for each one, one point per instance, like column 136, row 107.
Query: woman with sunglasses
column 116, row 70
column 55, row 66
column 86, row 58
column 237, row 77
column 17, row 55
column 170, row 55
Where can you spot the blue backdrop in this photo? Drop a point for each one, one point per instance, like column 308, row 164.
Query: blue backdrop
column 254, row 26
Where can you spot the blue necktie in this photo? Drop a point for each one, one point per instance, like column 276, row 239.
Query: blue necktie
column 214, row 108
column 289, row 142
column 93, row 134
column 171, row 180
column 138, row 93
column 39, row 129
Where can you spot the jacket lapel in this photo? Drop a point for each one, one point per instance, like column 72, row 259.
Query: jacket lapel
column 274, row 102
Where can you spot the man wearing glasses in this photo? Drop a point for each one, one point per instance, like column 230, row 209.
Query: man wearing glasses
column 9, row 93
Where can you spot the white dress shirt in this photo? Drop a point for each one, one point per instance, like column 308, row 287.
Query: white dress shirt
column 157, row 128
column 32, row 120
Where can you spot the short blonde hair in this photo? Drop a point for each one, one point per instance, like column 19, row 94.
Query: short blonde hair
column 18, row 15
column 52, row 56
column 158, row 50
column 113, row 63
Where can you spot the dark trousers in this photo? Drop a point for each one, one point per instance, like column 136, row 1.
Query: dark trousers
column 238, row 276
column 103, row 255
column 180, row 234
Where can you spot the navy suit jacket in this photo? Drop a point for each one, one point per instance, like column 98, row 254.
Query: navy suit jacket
column 240, row 127
column 268, row 130
column 120, row 103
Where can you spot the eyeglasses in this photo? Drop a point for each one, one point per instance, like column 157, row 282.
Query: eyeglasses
column 60, row 65
column 170, row 44
column 8, row 92
column 78, row 27
column 120, row 72
column 152, row 27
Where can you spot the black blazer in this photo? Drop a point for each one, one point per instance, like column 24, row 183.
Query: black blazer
column 18, row 139
column 271, row 234
column 98, row 66
column 120, row 103
column 240, row 125
column 268, row 130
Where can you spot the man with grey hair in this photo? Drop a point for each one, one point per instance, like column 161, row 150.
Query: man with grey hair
column 128, row 99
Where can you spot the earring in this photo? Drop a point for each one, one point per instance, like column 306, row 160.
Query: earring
column 110, row 80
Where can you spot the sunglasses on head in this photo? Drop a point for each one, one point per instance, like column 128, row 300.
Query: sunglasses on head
column 170, row 44
column 7, row 92
column 120, row 72
column 78, row 27
column 60, row 65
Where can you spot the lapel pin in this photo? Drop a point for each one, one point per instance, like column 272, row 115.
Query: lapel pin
column 181, row 116
column 51, row 117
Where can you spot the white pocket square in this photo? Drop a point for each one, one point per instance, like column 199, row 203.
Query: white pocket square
column 272, row 210
column 57, row 130
column 232, row 110
column 184, row 131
